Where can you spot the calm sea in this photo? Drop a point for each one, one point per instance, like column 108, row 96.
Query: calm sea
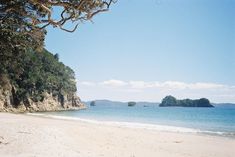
column 218, row 121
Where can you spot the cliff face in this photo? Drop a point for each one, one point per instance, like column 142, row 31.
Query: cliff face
column 36, row 81
column 49, row 103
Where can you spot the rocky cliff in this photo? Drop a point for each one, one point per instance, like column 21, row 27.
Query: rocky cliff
column 36, row 81
column 49, row 103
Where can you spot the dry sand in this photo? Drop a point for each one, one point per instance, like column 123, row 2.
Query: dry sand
column 31, row 136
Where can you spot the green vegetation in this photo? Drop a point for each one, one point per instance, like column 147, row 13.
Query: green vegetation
column 131, row 103
column 23, row 22
column 33, row 74
column 27, row 70
column 172, row 101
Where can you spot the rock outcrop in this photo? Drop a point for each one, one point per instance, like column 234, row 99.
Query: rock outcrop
column 92, row 103
column 49, row 103
column 131, row 103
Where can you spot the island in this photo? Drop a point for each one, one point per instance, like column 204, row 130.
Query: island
column 92, row 103
column 131, row 103
column 170, row 101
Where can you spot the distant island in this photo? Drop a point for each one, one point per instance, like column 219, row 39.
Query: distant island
column 92, row 103
column 110, row 103
column 170, row 101
column 131, row 103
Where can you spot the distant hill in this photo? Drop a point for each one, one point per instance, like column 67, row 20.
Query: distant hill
column 110, row 103
column 119, row 103
column 170, row 101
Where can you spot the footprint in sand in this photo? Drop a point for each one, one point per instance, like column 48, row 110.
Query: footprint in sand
column 2, row 141
column 178, row 141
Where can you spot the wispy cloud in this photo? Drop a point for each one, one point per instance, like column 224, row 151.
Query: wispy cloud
column 155, row 90
column 142, row 84
column 114, row 83
column 145, row 85
column 198, row 85
column 88, row 83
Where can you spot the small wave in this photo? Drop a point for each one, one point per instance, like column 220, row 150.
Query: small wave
column 134, row 125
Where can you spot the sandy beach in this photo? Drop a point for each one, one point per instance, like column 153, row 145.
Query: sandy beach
column 31, row 136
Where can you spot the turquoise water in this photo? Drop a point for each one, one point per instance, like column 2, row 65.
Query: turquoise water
column 218, row 120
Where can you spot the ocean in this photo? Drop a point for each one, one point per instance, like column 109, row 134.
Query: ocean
column 219, row 120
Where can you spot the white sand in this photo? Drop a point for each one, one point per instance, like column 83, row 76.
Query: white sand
column 30, row 136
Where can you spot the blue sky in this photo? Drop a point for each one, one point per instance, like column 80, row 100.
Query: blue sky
column 146, row 50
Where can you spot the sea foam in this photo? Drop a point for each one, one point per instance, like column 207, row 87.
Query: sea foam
column 135, row 125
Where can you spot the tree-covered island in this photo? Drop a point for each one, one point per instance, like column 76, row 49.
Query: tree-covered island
column 170, row 101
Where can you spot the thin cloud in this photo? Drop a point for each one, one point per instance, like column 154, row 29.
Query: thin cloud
column 198, row 85
column 167, row 84
column 114, row 83
column 206, row 86
column 88, row 83
column 154, row 91
column 141, row 84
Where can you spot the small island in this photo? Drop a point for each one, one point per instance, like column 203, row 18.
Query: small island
column 170, row 101
column 131, row 103
column 92, row 103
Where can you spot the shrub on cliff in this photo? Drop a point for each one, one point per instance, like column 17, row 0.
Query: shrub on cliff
column 36, row 74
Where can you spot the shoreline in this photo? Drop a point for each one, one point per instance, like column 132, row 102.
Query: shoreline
column 26, row 135
column 139, row 125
